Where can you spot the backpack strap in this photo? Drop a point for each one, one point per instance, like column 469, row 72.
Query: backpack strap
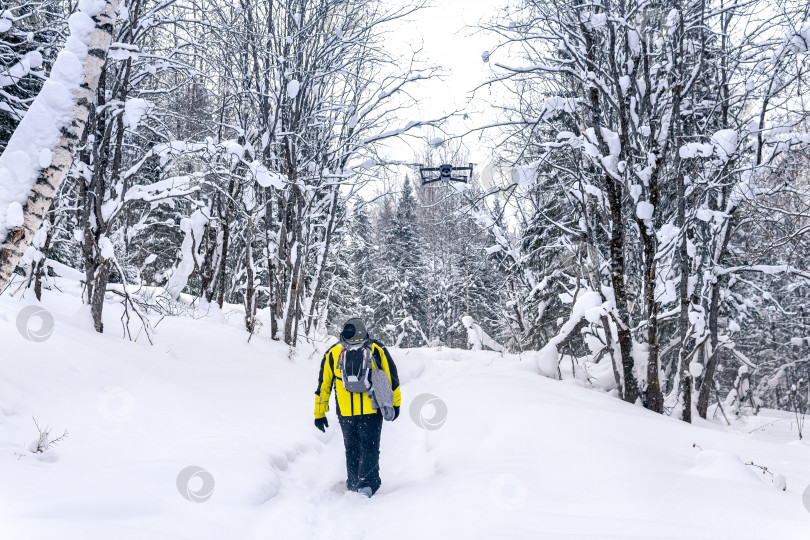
column 342, row 360
column 373, row 357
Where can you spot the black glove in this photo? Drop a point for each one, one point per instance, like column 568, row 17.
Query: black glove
column 322, row 423
column 396, row 412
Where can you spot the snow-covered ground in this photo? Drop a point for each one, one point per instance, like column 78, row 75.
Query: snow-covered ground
column 516, row 456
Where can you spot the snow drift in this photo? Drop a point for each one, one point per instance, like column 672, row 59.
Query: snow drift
column 207, row 436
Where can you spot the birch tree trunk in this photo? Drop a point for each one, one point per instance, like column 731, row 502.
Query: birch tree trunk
column 49, row 178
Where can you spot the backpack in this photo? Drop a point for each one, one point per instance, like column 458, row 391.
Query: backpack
column 359, row 377
column 355, row 365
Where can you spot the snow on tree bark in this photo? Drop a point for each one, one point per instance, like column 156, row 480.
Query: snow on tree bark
column 42, row 148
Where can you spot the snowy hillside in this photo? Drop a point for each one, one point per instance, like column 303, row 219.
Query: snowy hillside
column 517, row 456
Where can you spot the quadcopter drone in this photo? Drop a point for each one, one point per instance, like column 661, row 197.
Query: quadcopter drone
column 445, row 174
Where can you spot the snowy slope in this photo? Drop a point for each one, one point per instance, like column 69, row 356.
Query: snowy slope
column 519, row 456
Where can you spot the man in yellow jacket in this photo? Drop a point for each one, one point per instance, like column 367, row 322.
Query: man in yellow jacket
column 346, row 366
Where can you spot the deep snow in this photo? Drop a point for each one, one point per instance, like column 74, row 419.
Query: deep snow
column 519, row 455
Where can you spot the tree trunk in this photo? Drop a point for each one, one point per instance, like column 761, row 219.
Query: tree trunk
column 39, row 268
column 219, row 280
column 250, row 289
column 655, row 399
column 99, row 290
column 683, row 291
column 322, row 263
column 50, row 178
column 707, row 382
column 630, row 386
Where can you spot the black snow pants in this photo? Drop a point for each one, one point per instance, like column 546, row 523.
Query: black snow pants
column 361, row 437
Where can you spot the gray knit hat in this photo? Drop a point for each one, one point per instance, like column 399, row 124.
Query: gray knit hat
column 354, row 333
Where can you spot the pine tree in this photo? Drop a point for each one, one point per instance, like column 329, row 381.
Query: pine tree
column 30, row 36
column 399, row 297
column 348, row 291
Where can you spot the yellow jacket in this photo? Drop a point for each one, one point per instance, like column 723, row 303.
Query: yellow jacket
column 349, row 404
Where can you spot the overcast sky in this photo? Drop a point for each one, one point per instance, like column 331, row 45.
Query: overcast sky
column 450, row 41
